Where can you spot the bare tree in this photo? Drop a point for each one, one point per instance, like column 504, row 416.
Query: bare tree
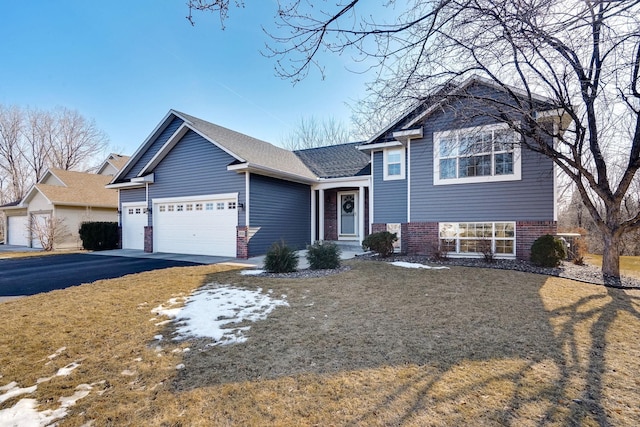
column 39, row 133
column 311, row 132
column 48, row 231
column 582, row 56
column 11, row 149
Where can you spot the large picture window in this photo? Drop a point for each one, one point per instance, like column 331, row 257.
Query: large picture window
column 471, row 238
column 480, row 154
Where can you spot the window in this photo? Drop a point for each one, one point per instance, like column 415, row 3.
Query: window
column 232, row 205
column 130, row 211
column 138, row 210
column 198, row 206
column 170, row 208
column 467, row 238
column 220, row 206
column 179, row 208
column 162, row 208
column 209, row 206
column 482, row 154
column 189, row 206
column 393, row 163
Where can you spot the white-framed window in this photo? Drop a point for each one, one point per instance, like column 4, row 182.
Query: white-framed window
column 162, row 208
column 220, row 206
column 138, row 210
column 130, row 211
column 209, row 206
column 478, row 154
column 189, row 206
column 198, row 206
column 179, row 208
column 170, row 208
column 394, row 164
column 471, row 238
column 231, row 205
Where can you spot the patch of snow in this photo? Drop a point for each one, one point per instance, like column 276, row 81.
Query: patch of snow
column 251, row 272
column 63, row 372
column 12, row 390
column 127, row 373
column 57, row 353
column 212, row 312
column 158, row 337
column 416, row 265
column 180, row 366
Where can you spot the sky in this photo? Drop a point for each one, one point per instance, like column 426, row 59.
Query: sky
column 125, row 64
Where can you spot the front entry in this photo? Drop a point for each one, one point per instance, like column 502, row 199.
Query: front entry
column 347, row 216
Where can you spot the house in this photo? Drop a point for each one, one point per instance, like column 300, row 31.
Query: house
column 198, row 188
column 67, row 197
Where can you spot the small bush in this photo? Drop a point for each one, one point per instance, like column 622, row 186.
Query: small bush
column 99, row 236
column 484, row 247
column 438, row 251
column 381, row 242
column 579, row 250
column 281, row 258
column 323, row 256
column 547, row 251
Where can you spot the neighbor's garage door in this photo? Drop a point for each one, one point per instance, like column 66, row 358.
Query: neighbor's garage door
column 202, row 226
column 18, row 230
column 134, row 219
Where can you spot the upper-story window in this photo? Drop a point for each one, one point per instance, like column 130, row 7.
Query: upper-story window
column 479, row 154
column 394, row 163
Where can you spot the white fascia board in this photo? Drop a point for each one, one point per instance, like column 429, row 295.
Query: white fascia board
column 379, row 146
column 150, row 178
column 165, row 149
column 328, row 183
column 50, row 172
column 29, row 195
column 274, row 173
column 195, row 198
column 125, row 185
column 161, row 126
column 84, row 205
column 405, row 135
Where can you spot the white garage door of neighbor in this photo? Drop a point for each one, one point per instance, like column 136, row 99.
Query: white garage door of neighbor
column 202, row 226
column 18, row 230
column 40, row 229
column 134, row 219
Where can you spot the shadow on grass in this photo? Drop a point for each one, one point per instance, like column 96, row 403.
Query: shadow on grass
column 499, row 345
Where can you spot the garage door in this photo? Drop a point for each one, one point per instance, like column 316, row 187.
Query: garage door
column 41, row 229
column 18, row 230
column 134, row 219
column 202, row 226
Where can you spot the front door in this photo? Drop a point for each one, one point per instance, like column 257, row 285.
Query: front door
column 347, row 216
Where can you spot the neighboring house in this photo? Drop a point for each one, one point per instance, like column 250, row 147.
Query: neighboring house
column 66, row 197
column 112, row 164
column 197, row 188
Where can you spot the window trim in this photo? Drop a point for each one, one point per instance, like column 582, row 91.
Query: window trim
column 517, row 158
column 457, row 238
column 385, row 161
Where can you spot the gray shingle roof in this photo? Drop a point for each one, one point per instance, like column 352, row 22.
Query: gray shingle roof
column 336, row 161
column 251, row 150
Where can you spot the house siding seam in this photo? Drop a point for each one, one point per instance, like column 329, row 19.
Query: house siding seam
column 279, row 210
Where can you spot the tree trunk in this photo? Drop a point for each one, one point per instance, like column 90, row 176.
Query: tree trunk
column 611, row 254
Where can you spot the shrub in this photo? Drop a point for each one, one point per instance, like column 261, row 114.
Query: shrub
column 547, row 251
column 438, row 251
column 484, row 247
column 381, row 242
column 281, row 258
column 99, row 236
column 323, row 255
column 579, row 250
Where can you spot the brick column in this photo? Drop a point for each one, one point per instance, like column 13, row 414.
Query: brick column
column 242, row 242
column 421, row 237
column 148, row 238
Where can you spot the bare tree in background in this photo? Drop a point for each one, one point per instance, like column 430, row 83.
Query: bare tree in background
column 48, row 231
column 583, row 56
column 311, row 133
column 33, row 140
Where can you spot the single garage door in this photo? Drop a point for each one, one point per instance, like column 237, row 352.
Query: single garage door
column 18, row 230
column 200, row 226
column 134, row 219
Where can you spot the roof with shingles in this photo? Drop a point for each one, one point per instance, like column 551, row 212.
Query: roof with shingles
column 253, row 151
column 81, row 189
column 336, row 161
column 118, row 160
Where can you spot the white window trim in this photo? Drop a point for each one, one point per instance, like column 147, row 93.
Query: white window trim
column 517, row 159
column 458, row 254
column 385, row 154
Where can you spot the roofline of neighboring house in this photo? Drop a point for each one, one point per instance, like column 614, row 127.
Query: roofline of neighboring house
column 84, row 205
column 11, row 207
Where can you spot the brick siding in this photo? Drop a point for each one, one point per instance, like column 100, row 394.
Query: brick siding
column 242, row 242
column 528, row 231
column 148, row 239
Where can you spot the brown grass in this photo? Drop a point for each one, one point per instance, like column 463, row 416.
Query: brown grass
column 377, row 345
column 629, row 265
column 7, row 255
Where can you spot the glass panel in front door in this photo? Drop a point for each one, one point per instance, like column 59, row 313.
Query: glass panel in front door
column 347, row 214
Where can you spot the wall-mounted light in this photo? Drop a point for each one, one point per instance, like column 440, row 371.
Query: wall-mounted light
column 241, row 206
column 145, row 210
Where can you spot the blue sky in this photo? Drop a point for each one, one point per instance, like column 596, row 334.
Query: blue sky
column 126, row 63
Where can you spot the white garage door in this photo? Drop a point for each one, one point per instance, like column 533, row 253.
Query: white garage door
column 18, row 230
column 205, row 225
column 134, row 219
column 40, row 230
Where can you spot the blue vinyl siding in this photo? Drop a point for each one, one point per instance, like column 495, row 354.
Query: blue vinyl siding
column 278, row 210
column 132, row 195
column 390, row 197
column 196, row 167
column 154, row 147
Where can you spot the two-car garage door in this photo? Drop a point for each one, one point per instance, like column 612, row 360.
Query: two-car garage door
column 203, row 225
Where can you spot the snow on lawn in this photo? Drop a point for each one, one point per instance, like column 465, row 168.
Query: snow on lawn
column 251, row 272
column 214, row 312
column 25, row 413
column 416, row 265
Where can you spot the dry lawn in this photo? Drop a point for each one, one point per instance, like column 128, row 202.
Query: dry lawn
column 377, row 345
column 629, row 265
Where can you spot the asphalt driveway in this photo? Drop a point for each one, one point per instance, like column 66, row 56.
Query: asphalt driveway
column 30, row 276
